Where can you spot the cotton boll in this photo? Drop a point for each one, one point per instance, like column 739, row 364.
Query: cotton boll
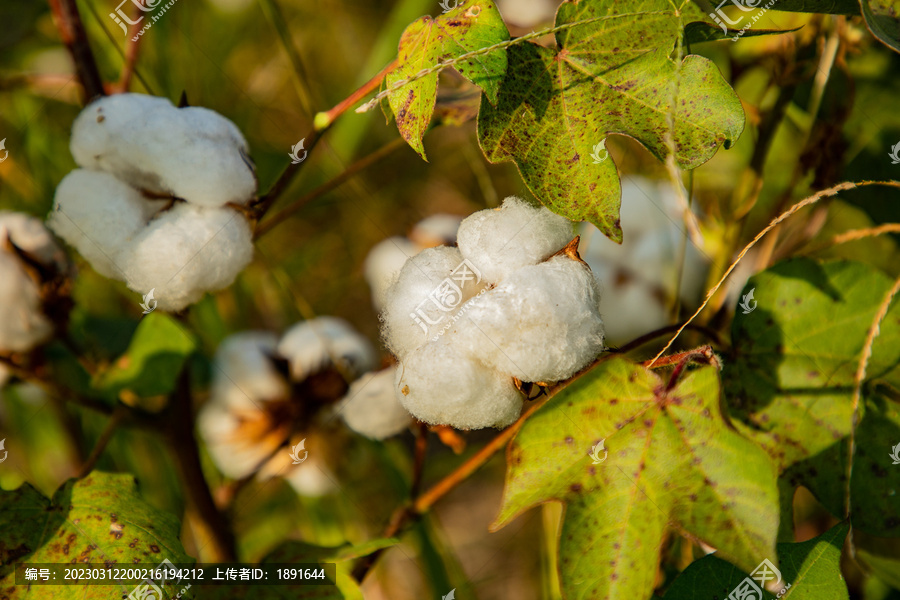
column 638, row 276
column 312, row 345
column 99, row 215
column 371, row 408
column 541, row 324
column 243, row 372
column 436, row 230
column 22, row 324
column 499, row 241
column 424, row 296
column 312, row 478
column 235, row 424
column 191, row 153
column 187, row 251
column 30, row 235
column 440, row 385
column 383, row 264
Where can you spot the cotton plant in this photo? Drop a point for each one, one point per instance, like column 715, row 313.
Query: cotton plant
column 32, row 274
column 513, row 302
column 638, row 276
column 252, row 410
column 387, row 257
column 156, row 201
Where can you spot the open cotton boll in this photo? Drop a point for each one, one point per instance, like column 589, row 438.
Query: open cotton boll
column 371, row 408
column 424, row 296
column 436, row 230
column 243, row 372
column 187, row 251
column 99, row 215
column 30, row 235
column 439, row 384
column 542, row 323
column 498, row 241
column 231, row 435
column 312, row 345
column 191, row 153
column 383, row 264
column 638, row 276
column 22, row 324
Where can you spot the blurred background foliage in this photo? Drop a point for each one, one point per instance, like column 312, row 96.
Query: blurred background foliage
column 234, row 56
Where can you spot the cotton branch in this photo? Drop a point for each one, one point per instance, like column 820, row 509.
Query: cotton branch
column 71, row 30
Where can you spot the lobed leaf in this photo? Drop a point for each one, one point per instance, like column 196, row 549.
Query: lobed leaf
column 99, row 519
column 672, row 461
column 791, row 383
column 469, row 26
column 610, row 74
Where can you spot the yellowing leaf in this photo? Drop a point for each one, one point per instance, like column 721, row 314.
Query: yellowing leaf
column 673, row 461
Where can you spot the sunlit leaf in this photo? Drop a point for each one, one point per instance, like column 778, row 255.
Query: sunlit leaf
column 613, row 74
column 468, row 26
column 672, row 460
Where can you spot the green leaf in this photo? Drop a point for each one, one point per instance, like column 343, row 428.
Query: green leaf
column 610, row 75
column 883, row 20
column 812, row 569
column 791, row 382
column 99, row 519
column 672, row 459
column 699, row 32
column 471, row 25
column 153, row 360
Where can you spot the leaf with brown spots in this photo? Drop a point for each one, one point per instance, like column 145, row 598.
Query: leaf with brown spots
column 100, row 519
column 469, row 26
column 612, row 74
column 883, row 20
column 791, row 383
column 672, row 462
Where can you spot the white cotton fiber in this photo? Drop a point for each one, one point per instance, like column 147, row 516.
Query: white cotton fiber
column 22, row 324
column 436, row 230
column 29, row 234
column 638, row 276
column 243, row 373
column 233, row 423
column 191, row 153
column 99, row 215
column 371, row 408
column 424, row 296
column 185, row 252
column 541, row 324
column 440, row 385
column 383, row 264
column 311, row 345
column 499, row 241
